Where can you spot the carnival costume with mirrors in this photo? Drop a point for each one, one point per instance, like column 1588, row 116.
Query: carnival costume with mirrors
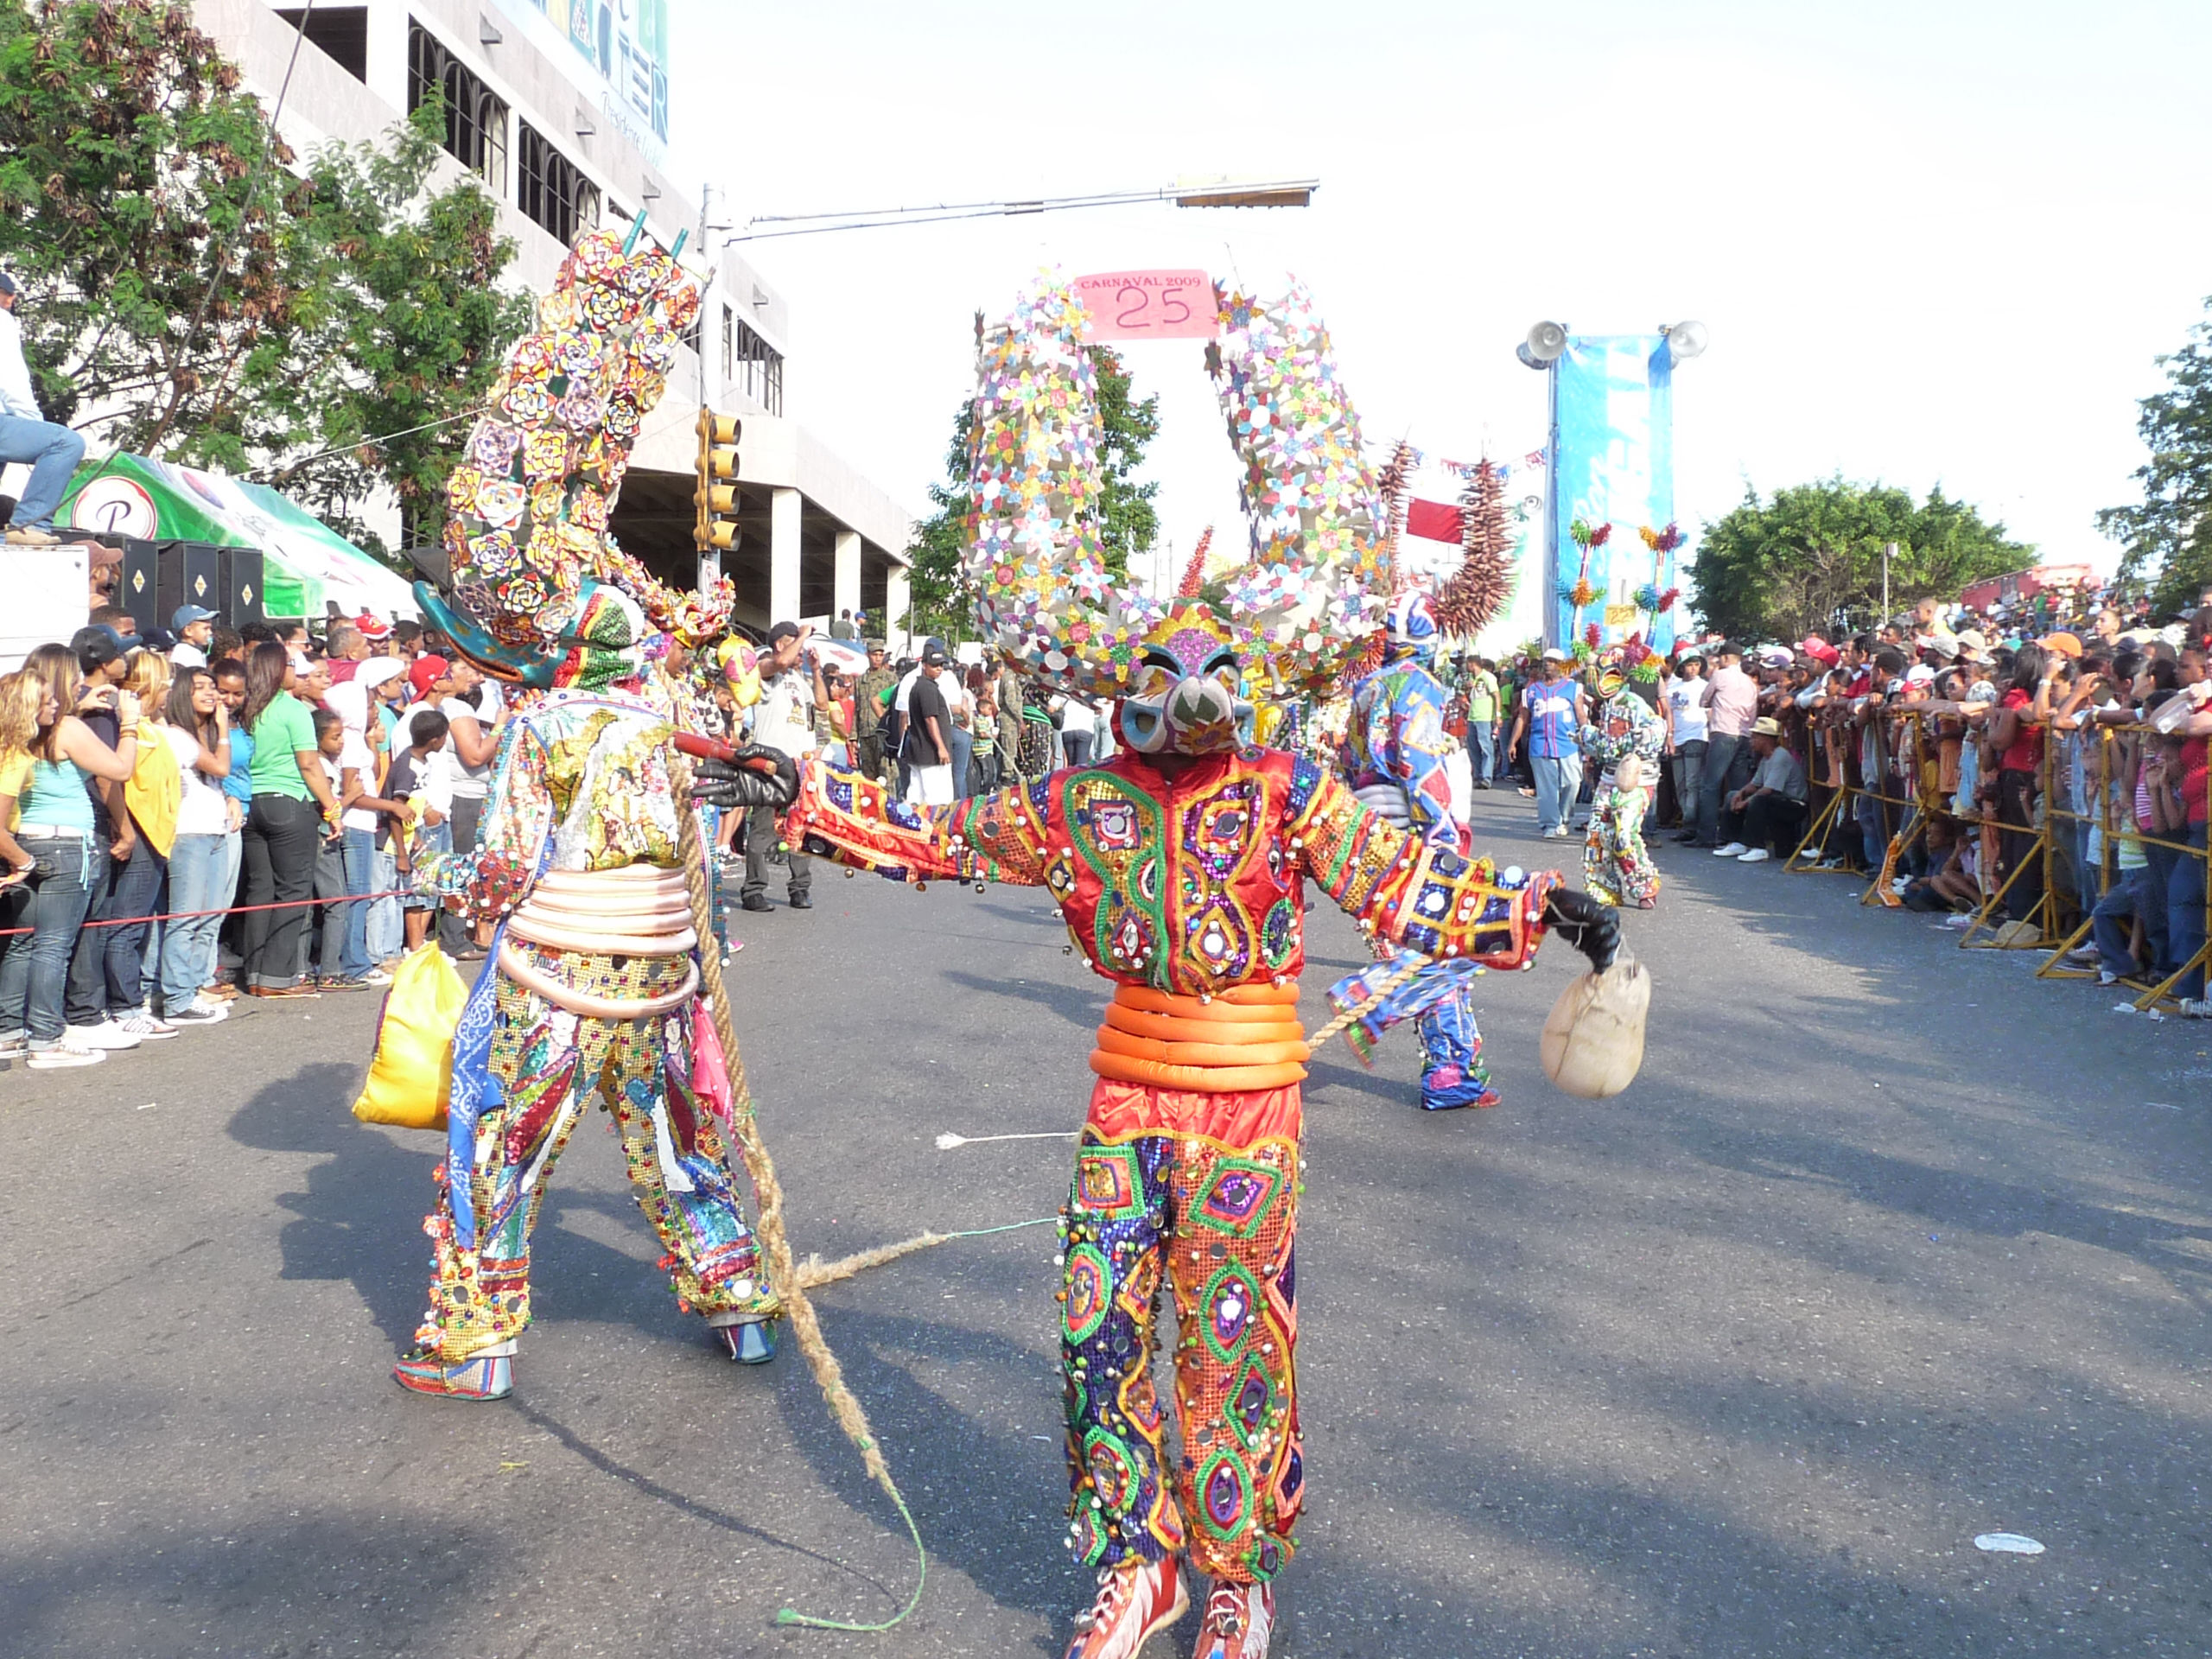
column 1625, row 742
column 592, row 988
column 1178, row 866
column 1396, row 750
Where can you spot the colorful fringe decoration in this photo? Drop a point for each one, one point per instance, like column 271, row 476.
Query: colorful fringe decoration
column 1194, row 573
column 1479, row 590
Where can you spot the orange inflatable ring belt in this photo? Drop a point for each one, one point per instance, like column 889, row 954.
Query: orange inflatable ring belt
column 1244, row 1038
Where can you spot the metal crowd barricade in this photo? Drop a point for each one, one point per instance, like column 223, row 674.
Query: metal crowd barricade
column 2151, row 993
column 1839, row 809
column 2041, row 855
column 2047, row 916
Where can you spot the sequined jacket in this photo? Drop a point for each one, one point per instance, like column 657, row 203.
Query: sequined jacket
column 1626, row 725
column 1395, row 735
column 580, row 783
column 1188, row 881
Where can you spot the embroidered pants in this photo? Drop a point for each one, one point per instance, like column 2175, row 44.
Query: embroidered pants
column 549, row 1065
column 1615, row 866
column 1199, row 1190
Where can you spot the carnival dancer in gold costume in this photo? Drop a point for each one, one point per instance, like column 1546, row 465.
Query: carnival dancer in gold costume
column 593, row 988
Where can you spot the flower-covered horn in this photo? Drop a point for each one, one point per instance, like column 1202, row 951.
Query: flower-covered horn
column 1035, row 560
column 526, row 536
column 1321, row 537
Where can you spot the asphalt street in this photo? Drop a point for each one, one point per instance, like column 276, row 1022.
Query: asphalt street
column 1891, row 1246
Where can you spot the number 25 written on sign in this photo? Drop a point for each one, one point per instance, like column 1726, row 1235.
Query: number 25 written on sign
column 1149, row 305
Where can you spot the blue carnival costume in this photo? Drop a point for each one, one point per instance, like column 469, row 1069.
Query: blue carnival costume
column 1394, row 752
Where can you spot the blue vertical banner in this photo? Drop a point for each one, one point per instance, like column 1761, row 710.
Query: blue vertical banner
column 1612, row 463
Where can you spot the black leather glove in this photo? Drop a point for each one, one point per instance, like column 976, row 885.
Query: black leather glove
column 1592, row 928
column 736, row 788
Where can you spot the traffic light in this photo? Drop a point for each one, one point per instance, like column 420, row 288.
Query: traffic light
column 715, row 529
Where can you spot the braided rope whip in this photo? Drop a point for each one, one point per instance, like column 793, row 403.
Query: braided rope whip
column 768, row 1224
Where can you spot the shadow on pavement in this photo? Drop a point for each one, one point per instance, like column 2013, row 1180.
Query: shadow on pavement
column 262, row 1587
column 359, row 1218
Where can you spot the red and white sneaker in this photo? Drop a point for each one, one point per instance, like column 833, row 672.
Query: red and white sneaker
column 1135, row 1599
column 1239, row 1619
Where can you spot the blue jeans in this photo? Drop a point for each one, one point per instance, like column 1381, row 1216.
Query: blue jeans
column 35, row 971
column 1689, row 781
column 53, row 453
column 2160, row 874
column 2185, row 913
column 1558, row 777
column 361, row 859
column 325, row 939
column 384, row 935
column 1716, row 782
column 1482, row 749
column 107, row 973
column 2130, row 897
column 963, row 747
column 196, row 867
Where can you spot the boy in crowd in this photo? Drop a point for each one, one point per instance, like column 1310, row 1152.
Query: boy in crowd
column 332, row 972
column 412, row 772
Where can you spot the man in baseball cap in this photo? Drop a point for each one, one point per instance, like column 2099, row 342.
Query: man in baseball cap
column 428, row 676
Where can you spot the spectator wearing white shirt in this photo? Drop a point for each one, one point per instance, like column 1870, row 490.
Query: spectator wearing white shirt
column 1079, row 722
column 198, row 732
column 52, row 452
column 1685, row 714
column 962, row 708
column 784, row 719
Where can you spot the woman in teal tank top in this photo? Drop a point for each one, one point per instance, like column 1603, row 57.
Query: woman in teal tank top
column 46, row 757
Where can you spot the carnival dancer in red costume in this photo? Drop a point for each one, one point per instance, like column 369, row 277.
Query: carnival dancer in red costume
column 1180, row 867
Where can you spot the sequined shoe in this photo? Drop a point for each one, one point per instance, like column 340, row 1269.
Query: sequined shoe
column 488, row 1375
column 1239, row 1619
column 1135, row 1599
column 747, row 1340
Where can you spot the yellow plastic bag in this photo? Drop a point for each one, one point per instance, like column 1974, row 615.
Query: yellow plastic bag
column 412, row 1073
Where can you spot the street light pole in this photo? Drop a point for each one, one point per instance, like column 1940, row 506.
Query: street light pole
column 1889, row 552
column 1219, row 193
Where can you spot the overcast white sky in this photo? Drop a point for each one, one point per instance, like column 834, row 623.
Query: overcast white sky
column 1937, row 241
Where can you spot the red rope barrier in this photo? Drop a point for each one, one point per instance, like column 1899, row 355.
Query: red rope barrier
column 234, row 910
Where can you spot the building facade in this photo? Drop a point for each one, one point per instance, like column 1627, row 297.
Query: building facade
column 559, row 108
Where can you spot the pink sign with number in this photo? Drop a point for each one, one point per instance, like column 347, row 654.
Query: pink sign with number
column 1150, row 305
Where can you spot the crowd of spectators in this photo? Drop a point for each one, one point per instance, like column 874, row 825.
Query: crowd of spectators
column 1938, row 756
column 210, row 814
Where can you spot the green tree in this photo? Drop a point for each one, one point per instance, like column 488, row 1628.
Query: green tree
column 139, row 215
column 404, row 330
column 194, row 293
column 1772, row 570
column 2168, row 535
column 1128, row 523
